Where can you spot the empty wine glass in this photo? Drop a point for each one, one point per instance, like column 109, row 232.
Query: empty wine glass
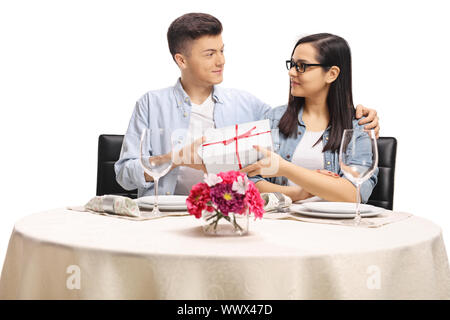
column 155, row 165
column 358, row 158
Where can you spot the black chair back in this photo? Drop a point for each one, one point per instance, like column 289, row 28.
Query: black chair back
column 383, row 193
column 109, row 147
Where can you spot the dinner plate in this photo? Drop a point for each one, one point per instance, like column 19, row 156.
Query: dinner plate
column 336, row 207
column 301, row 209
column 162, row 207
column 164, row 202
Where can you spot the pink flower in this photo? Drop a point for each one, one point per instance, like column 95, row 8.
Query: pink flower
column 230, row 176
column 199, row 200
column 227, row 200
column 254, row 201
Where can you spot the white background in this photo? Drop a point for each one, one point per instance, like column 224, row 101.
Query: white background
column 72, row 70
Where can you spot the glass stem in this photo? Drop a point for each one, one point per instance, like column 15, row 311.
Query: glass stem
column 156, row 194
column 358, row 202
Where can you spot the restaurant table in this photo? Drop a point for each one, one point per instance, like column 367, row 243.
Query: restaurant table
column 64, row 254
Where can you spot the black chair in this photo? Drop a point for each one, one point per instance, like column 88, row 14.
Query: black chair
column 383, row 193
column 109, row 147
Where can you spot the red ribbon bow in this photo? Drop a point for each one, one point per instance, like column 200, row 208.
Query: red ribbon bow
column 247, row 134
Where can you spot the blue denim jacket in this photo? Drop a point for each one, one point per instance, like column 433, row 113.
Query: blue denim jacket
column 171, row 108
column 285, row 147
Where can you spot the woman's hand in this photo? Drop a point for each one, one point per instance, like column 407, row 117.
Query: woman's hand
column 298, row 193
column 272, row 165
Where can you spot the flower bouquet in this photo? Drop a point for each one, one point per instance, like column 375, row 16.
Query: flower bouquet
column 225, row 201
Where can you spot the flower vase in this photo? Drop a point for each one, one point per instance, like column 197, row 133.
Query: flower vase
column 233, row 224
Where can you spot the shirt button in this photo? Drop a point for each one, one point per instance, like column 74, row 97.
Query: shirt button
column 288, row 156
column 328, row 162
column 299, row 132
column 186, row 100
column 326, row 138
column 168, row 193
column 185, row 114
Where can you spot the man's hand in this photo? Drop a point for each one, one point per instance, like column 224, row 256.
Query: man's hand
column 157, row 161
column 371, row 118
column 189, row 157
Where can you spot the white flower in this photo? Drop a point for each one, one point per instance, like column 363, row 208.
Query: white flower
column 241, row 185
column 212, row 179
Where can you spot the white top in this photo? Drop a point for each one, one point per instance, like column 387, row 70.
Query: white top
column 307, row 156
column 201, row 119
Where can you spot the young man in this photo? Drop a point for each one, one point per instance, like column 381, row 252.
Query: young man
column 195, row 103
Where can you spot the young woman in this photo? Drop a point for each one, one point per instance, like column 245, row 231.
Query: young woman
column 308, row 131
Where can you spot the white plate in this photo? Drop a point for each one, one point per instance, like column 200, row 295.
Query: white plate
column 164, row 202
column 337, row 207
column 163, row 207
column 300, row 208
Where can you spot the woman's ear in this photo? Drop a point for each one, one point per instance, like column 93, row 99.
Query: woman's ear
column 180, row 60
column 332, row 74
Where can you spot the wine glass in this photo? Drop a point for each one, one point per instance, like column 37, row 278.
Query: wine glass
column 358, row 158
column 155, row 165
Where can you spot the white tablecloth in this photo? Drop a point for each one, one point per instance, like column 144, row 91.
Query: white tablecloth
column 62, row 254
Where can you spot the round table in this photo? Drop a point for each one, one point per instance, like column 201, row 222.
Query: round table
column 63, row 254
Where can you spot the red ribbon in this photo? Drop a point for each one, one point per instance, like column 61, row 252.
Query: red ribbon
column 247, row 134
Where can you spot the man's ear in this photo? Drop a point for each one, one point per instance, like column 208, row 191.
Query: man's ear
column 332, row 74
column 180, row 60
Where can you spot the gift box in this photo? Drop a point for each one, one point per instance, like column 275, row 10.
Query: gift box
column 231, row 148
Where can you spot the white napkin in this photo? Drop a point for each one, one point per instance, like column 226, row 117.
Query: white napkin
column 114, row 204
column 110, row 205
column 119, row 207
column 274, row 201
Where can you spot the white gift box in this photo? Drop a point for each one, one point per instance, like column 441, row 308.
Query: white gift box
column 231, row 148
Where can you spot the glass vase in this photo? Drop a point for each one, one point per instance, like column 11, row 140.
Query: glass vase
column 217, row 223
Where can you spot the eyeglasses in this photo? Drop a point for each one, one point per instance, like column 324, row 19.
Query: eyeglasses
column 300, row 66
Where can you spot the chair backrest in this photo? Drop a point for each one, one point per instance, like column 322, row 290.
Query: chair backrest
column 109, row 147
column 383, row 193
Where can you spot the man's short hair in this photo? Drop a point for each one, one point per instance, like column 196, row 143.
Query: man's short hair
column 189, row 27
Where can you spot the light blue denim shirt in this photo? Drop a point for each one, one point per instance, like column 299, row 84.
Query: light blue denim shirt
column 171, row 108
column 285, row 147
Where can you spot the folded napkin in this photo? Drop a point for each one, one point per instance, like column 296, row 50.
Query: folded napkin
column 118, row 207
column 113, row 204
column 276, row 201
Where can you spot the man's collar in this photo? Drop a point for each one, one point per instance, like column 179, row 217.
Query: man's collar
column 182, row 96
column 217, row 94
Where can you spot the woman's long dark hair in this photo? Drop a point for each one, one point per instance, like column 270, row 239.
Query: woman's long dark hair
column 332, row 51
